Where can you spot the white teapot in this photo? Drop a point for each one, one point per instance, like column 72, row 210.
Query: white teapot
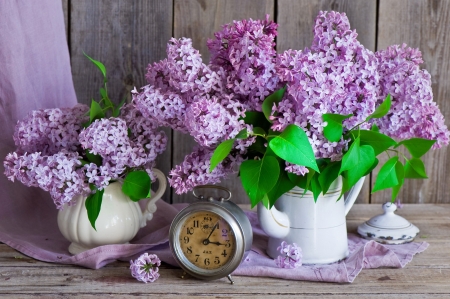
column 119, row 220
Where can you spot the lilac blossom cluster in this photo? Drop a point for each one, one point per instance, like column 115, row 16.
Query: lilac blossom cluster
column 59, row 174
column 245, row 52
column 194, row 170
column 50, row 130
column 209, row 101
column 290, row 256
column 51, row 145
column 336, row 75
column 145, row 267
column 413, row 112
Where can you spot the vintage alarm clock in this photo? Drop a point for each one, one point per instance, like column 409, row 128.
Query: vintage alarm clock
column 211, row 237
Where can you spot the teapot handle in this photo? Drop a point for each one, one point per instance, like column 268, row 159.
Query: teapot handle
column 151, row 206
column 353, row 194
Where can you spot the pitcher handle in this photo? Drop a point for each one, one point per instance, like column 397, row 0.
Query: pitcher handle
column 151, row 205
column 353, row 194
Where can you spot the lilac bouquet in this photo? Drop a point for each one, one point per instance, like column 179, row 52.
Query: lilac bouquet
column 80, row 150
column 299, row 118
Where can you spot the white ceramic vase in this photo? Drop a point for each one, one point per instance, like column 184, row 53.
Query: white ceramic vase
column 119, row 220
column 319, row 228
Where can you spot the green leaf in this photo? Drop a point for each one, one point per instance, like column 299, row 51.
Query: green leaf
column 97, row 159
column 103, row 93
column 415, row 169
column 375, row 163
column 98, row 64
column 96, row 111
column 417, row 147
column 334, row 128
column 116, row 111
column 283, row 185
column 293, row 146
column 328, row 175
column 270, row 100
column 366, row 160
column 298, row 180
column 375, row 128
column 378, row 141
column 401, row 179
column 381, row 110
column 259, row 131
column 258, row 177
column 137, row 185
column 387, row 176
column 220, row 153
column 257, row 119
column 257, row 148
column 316, row 189
column 351, row 157
column 242, row 134
column 93, row 205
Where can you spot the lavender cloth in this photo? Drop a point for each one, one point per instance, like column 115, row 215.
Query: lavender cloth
column 35, row 73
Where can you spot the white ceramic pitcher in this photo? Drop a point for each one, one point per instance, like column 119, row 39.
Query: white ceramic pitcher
column 319, row 228
column 119, row 220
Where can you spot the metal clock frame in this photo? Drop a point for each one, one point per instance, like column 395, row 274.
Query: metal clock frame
column 238, row 222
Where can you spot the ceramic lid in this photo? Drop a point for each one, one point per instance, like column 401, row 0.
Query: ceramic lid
column 388, row 228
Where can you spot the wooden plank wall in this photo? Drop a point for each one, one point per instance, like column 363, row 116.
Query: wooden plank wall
column 127, row 35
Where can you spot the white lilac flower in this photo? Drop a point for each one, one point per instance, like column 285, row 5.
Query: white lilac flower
column 145, row 268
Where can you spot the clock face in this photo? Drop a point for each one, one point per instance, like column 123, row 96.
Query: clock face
column 207, row 240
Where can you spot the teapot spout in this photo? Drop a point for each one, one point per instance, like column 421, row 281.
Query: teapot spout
column 273, row 222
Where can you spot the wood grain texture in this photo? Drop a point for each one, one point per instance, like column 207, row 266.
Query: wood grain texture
column 125, row 36
column 426, row 276
column 296, row 21
column 425, row 25
column 198, row 20
column 65, row 5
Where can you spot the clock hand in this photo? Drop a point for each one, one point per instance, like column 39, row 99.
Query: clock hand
column 206, row 241
column 217, row 243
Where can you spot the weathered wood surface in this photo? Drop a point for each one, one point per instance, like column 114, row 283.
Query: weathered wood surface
column 199, row 20
column 296, row 21
column 425, row 25
column 127, row 35
column 427, row 276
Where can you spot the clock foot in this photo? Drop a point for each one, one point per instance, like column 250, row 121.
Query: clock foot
column 230, row 279
column 183, row 275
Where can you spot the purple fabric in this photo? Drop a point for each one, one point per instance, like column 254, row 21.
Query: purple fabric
column 35, row 73
column 364, row 254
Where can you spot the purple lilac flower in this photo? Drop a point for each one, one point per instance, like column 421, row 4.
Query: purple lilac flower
column 244, row 52
column 51, row 144
column 337, row 75
column 413, row 112
column 296, row 169
column 145, row 268
column 210, row 121
column 109, row 139
column 291, row 256
column 399, row 204
column 194, row 170
column 60, row 174
column 50, row 130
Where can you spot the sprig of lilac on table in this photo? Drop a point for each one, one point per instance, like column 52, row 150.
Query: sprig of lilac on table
column 81, row 150
column 290, row 256
column 145, row 267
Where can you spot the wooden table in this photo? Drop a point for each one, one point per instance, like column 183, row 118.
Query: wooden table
column 427, row 276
